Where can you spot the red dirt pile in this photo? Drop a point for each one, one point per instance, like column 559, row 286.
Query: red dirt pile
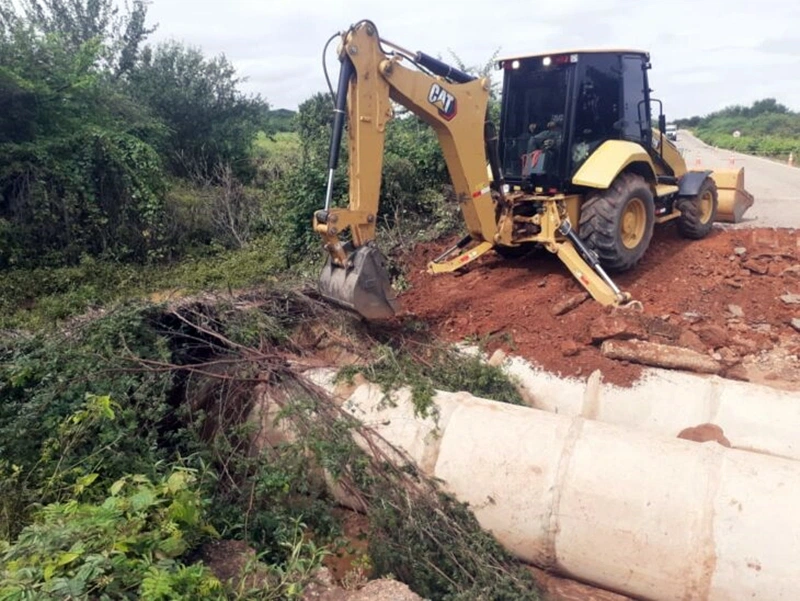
column 730, row 295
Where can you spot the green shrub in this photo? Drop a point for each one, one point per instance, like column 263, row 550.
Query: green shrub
column 766, row 128
column 48, row 380
column 127, row 546
column 439, row 367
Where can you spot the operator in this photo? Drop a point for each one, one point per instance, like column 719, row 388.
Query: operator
column 541, row 144
column 549, row 138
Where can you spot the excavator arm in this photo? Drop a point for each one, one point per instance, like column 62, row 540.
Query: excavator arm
column 454, row 104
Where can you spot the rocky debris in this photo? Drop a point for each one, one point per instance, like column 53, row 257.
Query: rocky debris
column 497, row 358
column 736, row 372
column 791, row 299
column 384, row 590
column 795, row 323
column 713, row 335
column 744, row 345
column 736, row 311
column 661, row 327
column 659, row 355
column 692, row 317
column 617, row 327
column 569, row 303
column 323, row 589
column 757, row 267
column 791, row 272
column 729, row 357
column 570, row 348
column 705, row 433
column 740, row 251
column 689, row 339
column 694, row 284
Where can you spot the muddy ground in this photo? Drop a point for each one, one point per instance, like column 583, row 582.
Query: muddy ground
column 732, row 295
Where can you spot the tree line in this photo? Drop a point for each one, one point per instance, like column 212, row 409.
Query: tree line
column 766, row 127
column 115, row 148
column 95, row 125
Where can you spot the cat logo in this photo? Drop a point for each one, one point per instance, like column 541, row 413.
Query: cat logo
column 444, row 101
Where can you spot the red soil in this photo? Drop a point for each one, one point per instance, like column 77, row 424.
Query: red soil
column 710, row 295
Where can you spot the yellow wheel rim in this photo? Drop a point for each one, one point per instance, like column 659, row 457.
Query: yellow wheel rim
column 706, row 205
column 633, row 223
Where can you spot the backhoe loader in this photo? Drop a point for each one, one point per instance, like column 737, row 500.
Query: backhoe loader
column 576, row 167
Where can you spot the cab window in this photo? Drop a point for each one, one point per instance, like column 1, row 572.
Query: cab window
column 597, row 109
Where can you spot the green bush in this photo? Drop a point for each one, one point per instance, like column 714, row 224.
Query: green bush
column 766, row 128
column 126, row 546
column 210, row 122
column 46, row 380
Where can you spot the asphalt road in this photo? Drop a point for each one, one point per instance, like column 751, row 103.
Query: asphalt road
column 775, row 186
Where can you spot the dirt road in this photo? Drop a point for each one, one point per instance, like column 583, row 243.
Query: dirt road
column 776, row 186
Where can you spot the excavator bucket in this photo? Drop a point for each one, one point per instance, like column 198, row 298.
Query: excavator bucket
column 734, row 200
column 363, row 286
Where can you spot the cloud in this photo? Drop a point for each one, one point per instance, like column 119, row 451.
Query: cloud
column 705, row 54
column 786, row 46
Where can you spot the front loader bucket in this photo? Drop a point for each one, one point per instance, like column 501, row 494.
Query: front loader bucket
column 734, row 200
column 363, row 286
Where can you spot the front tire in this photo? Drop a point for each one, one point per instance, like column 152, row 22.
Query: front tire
column 698, row 212
column 617, row 223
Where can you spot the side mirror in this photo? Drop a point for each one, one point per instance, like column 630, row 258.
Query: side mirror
column 662, row 123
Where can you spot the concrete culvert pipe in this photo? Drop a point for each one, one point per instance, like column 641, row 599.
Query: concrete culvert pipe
column 752, row 417
column 648, row 516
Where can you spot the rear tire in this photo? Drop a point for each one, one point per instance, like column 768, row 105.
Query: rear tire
column 698, row 212
column 617, row 223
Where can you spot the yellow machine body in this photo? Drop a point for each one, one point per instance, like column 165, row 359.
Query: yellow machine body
column 498, row 217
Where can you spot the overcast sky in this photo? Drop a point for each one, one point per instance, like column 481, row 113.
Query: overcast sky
column 706, row 54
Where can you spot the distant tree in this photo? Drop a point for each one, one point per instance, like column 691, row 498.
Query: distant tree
column 767, row 105
column 281, row 120
column 73, row 179
column 210, row 121
column 487, row 69
column 121, row 33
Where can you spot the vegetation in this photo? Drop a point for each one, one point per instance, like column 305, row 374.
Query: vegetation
column 766, row 128
column 427, row 368
column 127, row 445
column 132, row 171
column 144, row 168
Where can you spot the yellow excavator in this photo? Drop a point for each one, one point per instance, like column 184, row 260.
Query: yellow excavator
column 576, row 167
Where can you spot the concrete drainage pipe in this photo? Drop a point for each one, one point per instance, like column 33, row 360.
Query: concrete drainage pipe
column 648, row 516
column 752, row 417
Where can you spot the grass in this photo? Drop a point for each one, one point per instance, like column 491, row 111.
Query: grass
column 36, row 298
column 278, row 143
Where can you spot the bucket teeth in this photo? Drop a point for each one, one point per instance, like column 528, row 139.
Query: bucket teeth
column 363, row 286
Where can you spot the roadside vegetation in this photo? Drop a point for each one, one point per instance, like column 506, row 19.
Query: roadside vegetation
column 155, row 231
column 766, row 128
column 128, row 444
column 128, row 168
